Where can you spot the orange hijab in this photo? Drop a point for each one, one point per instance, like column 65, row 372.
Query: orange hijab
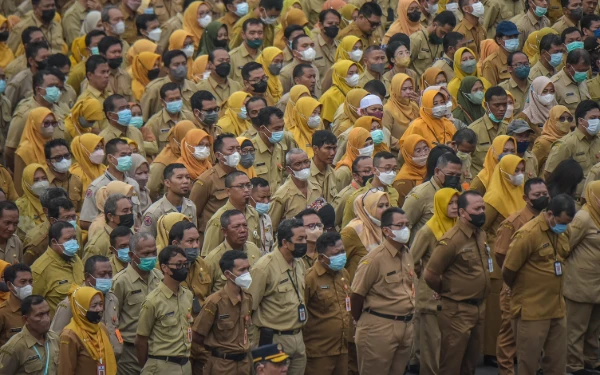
column 3, row 265
column 434, row 130
column 194, row 166
column 172, row 151
column 31, row 147
column 491, row 158
column 142, row 64
column 402, row 23
column 356, row 140
column 410, row 170
column 366, row 122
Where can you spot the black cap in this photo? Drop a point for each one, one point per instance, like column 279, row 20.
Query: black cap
column 271, row 353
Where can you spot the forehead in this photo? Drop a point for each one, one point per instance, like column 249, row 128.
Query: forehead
column 220, row 54
column 241, row 179
column 365, row 163
column 520, row 57
column 377, row 53
column 310, row 219
column 298, row 157
column 236, row 219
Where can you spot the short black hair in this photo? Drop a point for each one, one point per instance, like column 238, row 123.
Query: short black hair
column 219, row 143
column 584, row 107
column 577, row 55
column 321, row 138
column 26, row 34
column 32, row 49
column 90, row 263
column 227, row 261
column 271, row 4
column 56, row 230
column 169, row 55
column 38, row 78
column 111, row 146
column 259, row 182
column 565, row 178
column 169, row 86
column 587, row 19
column 253, row 99
column 178, row 230
column 494, row 91
column 199, row 97
column 306, row 212
column 108, row 42
column 211, row 54
column 56, row 204
column 141, row 21
column 567, row 31
column 50, row 194
column 296, row 40
column 170, row 170
column 356, row 161
column 388, row 214
column 463, row 202
column 232, row 176
column 299, row 70
column 562, row 203
column 451, row 40
column 325, row 12
column 548, row 41
column 7, row 206
column 28, row 303
column 167, row 253
column 253, row 22
column 327, row 239
column 285, row 231
column 532, row 181
column 382, row 155
column 58, row 60
column 54, row 143
column 370, row 9
column 445, row 18
column 433, row 157
column 465, row 135
column 447, row 158
column 10, row 272
column 109, row 103
column 227, row 215
column 118, row 232
column 290, row 29
column 376, row 87
column 248, row 68
column 264, row 115
column 511, row 56
column 92, row 34
column 92, row 63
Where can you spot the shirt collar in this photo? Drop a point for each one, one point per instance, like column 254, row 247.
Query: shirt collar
column 391, row 249
column 466, row 228
column 283, row 264
column 543, row 223
column 232, row 296
column 314, row 170
column 166, row 290
column 14, row 303
column 220, row 171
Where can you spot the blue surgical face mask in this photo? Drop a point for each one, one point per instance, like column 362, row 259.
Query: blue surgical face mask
column 73, row 223
column 123, row 255
column 540, row 12
column 241, row 9
column 174, row 107
column 52, row 94
column 95, row 51
column 556, row 59
column 580, row 76
column 137, row 121
column 263, row 208
column 559, row 228
column 522, row 72
column 124, row 163
column 574, row 45
column 511, row 45
column 243, row 114
column 492, row 117
column 337, row 262
column 70, row 248
column 124, row 117
column 275, row 137
column 147, row 264
column 377, row 136
column 103, row 285
column 2, row 86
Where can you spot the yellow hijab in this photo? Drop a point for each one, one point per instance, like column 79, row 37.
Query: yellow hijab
column 491, row 157
column 290, row 108
column 501, row 194
column 486, row 48
column 290, row 16
column 459, row 74
column 172, row 150
column 430, row 75
column 366, row 122
column 6, row 54
column 350, row 115
column 356, row 140
column 274, row 87
column 3, row 295
column 336, row 94
column 90, row 109
column 231, row 121
column 402, row 23
column 82, row 147
column 552, row 128
column 190, row 21
column 194, row 166
column 532, row 44
column 403, row 110
column 142, row 64
column 440, row 223
column 434, row 130
column 346, row 12
column 163, row 227
column 592, row 201
column 29, row 203
column 248, row 171
column 79, row 51
column 370, row 234
column 31, row 147
column 176, row 41
column 142, row 45
column 199, row 67
column 410, row 170
column 345, row 47
column 93, row 336
column 299, row 126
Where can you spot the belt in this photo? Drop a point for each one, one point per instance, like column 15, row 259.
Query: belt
column 402, row 318
column 237, row 357
column 474, row 302
column 288, row 333
column 182, row 361
column 128, row 343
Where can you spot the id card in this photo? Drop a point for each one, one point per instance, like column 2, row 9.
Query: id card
column 101, row 370
column 490, row 265
column 302, row 313
column 557, row 268
column 348, row 305
column 189, row 334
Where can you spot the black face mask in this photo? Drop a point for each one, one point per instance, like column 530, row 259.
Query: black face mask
column 452, row 182
column 222, row 43
column 366, row 179
column 179, row 274
column 223, row 69
column 4, row 36
column 434, row 39
column 414, row 16
column 42, row 65
column 94, row 317
column 126, row 220
column 48, row 15
column 153, row 74
column 331, row 31
column 299, row 250
column 115, row 63
column 260, row 87
column 540, row 203
column 191, row 253
column 478, row 220
column 3, row 287
column 576, row 14
column 255, row 121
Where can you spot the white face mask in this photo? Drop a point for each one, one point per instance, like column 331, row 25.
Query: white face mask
column 314, row 121
column 375, row 221
column 546, row 99
column 205, row 75
column 154, row 35
column 366, row 151
column 47, row 132
column 308, row 54
column 22, row 292
column 243, row 280
column 420, row 160
column 478, row 9
column 39, row 187
column 119, row 28
column 352, row 81
column 432, row 8
column 509, row 111
column 439, row 111
column 387, row 178
column 97, row 157
column 189, row 50
column 204, row 21
column 62, row 166
column 453, row 7
column 401, row 235
column 232, row 160
column 355, row 55
column 517, row 179
column 302, row 174
column 201, row 152
column 593, row 126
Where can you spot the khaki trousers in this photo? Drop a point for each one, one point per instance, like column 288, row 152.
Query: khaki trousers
column 219, row 366
column 199, row 359
column 583, row 329
column 383, row 345
column 506, row 347
column 293, row 345
column 492, row 318
column 155, row 366
column 533, row 337
column 128, row 363
column 331, row 365
column 461, row 326
column 430, row 338
column 415, row 352
column 352, row 359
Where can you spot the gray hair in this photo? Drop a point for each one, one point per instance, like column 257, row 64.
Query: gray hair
column 137, row 238
column 110, row 206
column 292, row 152
column 105, row 17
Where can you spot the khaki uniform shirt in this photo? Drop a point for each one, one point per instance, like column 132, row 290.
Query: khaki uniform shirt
column 133, row 133
column 223, row 92
column 385, row 278
column 313, row 8
column 72, row 20
column 527, row 23
column 509, row 226
column 131, row 290
column 349, row 213
column 100, row 96
column 288, row 201
column 269, row 164
column 324, row 181
column 164, row 9
column 239, row 57
column 569, row 93
column 110, row 318
column 13, row 250
column 151, row 99
column 14, row 67
column 495, row 67
column 161, row 122
column 475, row 34
column 539, row 70
column 53, row 276
column 19, row 87
column 486, row 131
column 53, row 33
column 519, row 94
column 208, row 194
column 325, row 57
column 214, row 257
column 339, row 202
column 593, row 86
column 119, row 82
column 235, row 34
column 287, row 79
column 267, row 235
column 578, row 146
column 72, row 185
column 564, row 23
column 98, row 243
column 36, row 242
column 199, row 283
column 367, row 40
column 224, row 322
column 421, row 250
column 162, row 207
column 537, row 293
column 213, row 235
column 580, row 274
column 277, row 290
column 462, row 260
column 130, row 34
column 89, row 211
column 174, row 23
column 166, row 319
column 531, row 165
column 229, row 20
column 329, row 324
column 116, row 264
column 11, row 319
column 368, row 76
column 447, row 65
column 422, row 52
column 18, row 356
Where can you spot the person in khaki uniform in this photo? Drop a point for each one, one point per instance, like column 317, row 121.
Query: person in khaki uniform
column 582, row 144
column 327, row 295
column 536, row 196
column 458, row 272
column 119, row 81
column 11, row 248
column 298, row 45
column 269, row 161
column 495, row 66
column 249, row 48
column 362, row 167
column 119, row 249
column 59, row 267
column 36, row 340
column 73, row 18
column 164, row 331
column 322, row 174
column 325, row 45
column 58, row 160
column 490, row 126
column 550, row 45
column 520, row 130
column 529, row 21
column 232, row 14
column 238, row 189
column 278, row 289
column 497, row 11
column 131, row 286
column 533, row 271
column 97, row 72
column 470, row 27
column 20, row 86
column 383, row 300
column 268, row 12
column 164, row 9
column 454, row 41
column 96, row 268
column 579, row 286
column 571, row 17
column 518, row 84
column 225, row 319
column 220, row 83
column 130, row 34
column 426, row 44
column 19, row 282
column 367, row 25
column 116, row 129
column 236, row 236
column 569, row 83
column 42, row 17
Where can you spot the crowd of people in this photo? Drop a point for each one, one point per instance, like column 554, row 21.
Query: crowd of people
column 299, row 186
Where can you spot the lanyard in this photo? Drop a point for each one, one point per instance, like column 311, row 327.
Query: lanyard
column 437, row 49
column 47, row 356
column 294, row 285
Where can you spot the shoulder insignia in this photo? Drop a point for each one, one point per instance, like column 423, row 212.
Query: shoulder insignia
column 443, row 242
column 148, row 220
column 517, row 235
column 88, row 193
column 414, row 195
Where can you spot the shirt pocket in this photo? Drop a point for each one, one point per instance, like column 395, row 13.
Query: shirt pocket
column 163, row 134
column 326, row 299
column 571, row 97
column 221, row 195
column 424, row 54
column 261, row 170
column 468, row 258
column 287, row 292
column 34, row 366
column 135, row 299
column 169, row 321
column 580, row 157
column 545, row 253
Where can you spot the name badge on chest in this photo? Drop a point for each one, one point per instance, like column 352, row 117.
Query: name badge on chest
column 557, row 268
column 490, row 261
column 302, row 313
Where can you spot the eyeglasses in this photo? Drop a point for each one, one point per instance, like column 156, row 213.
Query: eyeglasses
column 248, row 152
column 403, row 54
column 255, row 81
column 248, row 186
column 371, row 190
column 59, row 158
column 179, row 266
column 314, row 226
column 212, row 110
column 519, row 65
column 48, row 124
column 565, row 119
column 374, row 24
